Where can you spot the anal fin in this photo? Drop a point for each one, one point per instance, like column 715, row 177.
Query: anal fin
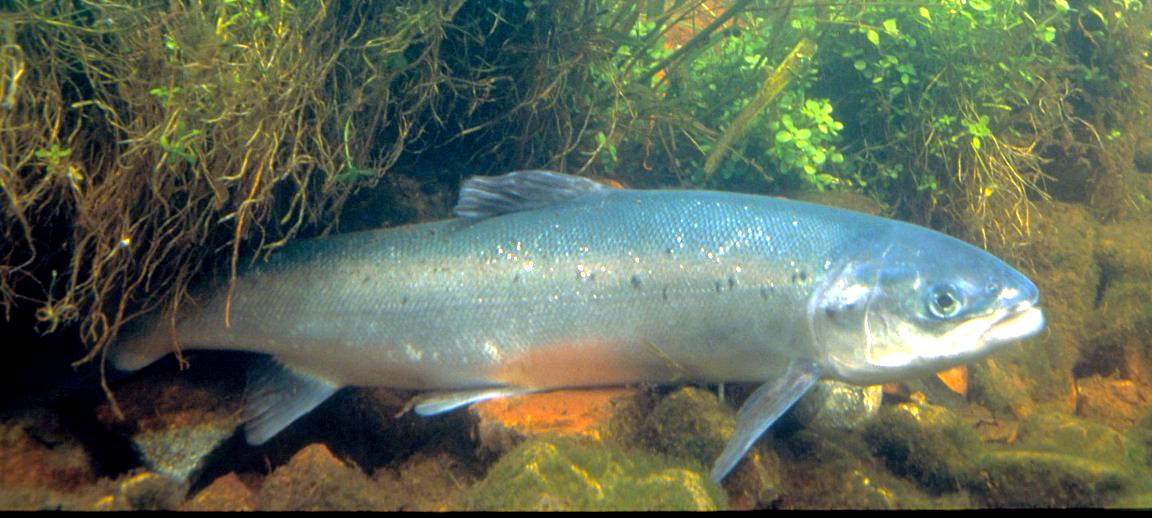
column 763, row 408
column 276, row 396
column 435, row 403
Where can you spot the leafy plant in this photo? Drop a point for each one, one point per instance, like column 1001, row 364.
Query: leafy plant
column 804, row 138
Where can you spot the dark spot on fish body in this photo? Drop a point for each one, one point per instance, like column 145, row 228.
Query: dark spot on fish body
column 404, row 300
column 731, row 282
column 664, row 294
column 799, row 277
column 635, row 281
column 719, row 286
column 766, row 291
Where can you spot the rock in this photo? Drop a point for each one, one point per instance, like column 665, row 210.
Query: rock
column 1023, row 478
column 689, row 423
column 179, row 452
column 505, row 422
column 1004, row 386
column 226, row 493
column 1060, row 433
column 757, row 482
column 692, row 423
column 566, row 475
column 1062, row 263
column 835, row 405
column 835, row 470
column 176, row 421
column 1060, row 461
column 1143, row 155
column 36, row 451
column 148, row 491
column 316, row 480
column 926, row 443
column 140, row 490
column 1118, row 402
column 426, row 483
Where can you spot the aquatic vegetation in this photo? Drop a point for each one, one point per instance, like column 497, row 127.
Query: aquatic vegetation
column 136, row 139
column 562, row 474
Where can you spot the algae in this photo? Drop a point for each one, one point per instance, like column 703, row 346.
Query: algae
column 544, row 475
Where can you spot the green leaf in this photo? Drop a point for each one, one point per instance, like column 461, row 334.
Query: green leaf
column 874, row 37
column 827, row 179
column 925, row 14
column 783, row 136
column 979, row 5
column 890, row 27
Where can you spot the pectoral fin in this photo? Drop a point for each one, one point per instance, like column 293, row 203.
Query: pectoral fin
column 763, row 408
column 440, row 402
column 277, row 396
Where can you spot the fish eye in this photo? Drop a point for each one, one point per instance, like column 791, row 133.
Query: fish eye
column 944, row 302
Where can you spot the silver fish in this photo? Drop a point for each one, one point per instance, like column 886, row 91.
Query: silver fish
column 549, row 280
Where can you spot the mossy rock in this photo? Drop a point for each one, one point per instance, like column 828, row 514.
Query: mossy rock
column 925, row 443
column 689, row 423
column 1061, row 433
column 1060, row 460
column 1064, row 268
column 565, row 475
column 835, row 470
column 316, row 480
column 1024, row 478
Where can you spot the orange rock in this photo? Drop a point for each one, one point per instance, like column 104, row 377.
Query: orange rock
column 956, row 379
column 35, row 451
column 505, row 421
column 314, row 479
column 226, row 493
column 1116, row 401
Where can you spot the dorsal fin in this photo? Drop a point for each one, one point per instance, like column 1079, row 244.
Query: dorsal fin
column 486, row 196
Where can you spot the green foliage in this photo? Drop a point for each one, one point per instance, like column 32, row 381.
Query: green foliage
column 941, row 104
column 792, row 142
column 803, row 144
column 948, row 92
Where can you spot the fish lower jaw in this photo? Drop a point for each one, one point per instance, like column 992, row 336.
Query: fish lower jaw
column 1022, row 324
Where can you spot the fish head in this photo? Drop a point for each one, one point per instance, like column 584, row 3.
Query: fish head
column 915, row 303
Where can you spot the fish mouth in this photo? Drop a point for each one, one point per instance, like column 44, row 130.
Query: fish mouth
column 1022, row 321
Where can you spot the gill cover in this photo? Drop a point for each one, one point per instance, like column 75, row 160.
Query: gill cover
column 902, row 310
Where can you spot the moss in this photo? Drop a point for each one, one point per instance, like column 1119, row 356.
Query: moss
column 690, row 423
column 837, row 470
column 925, row 443
column 1036, row 478
column 1062, row 461
column 316, row 480
column 565, row 475
column 1061, row 433
column 1038, row 371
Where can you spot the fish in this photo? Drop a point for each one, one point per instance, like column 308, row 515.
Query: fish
column 545, row 280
